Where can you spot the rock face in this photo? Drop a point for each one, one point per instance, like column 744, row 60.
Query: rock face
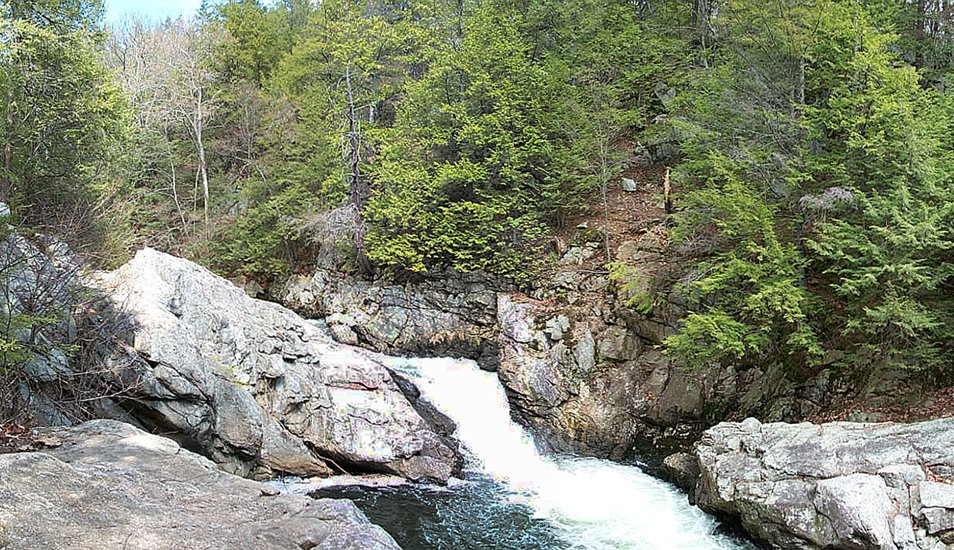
column 582, row 367
column 38, row 291
column 451, row 316
column 840, row 485
column 112, row 486
column 579, row 354
column 254, row 386
column 581, row 372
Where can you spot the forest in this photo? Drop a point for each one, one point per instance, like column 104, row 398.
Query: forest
column 809, row 144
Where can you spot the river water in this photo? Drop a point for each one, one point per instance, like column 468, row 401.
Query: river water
column 514, row 497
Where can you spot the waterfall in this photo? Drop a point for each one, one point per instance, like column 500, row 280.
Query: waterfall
column 593, row 504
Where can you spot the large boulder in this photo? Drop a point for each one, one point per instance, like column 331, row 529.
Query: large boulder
column 254, row 386
column 839, row 485
column 111, row 486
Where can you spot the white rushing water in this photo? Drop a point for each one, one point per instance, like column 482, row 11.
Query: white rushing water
column 594, row 504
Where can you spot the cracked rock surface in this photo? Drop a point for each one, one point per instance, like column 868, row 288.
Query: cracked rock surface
column 112, row 486
column 452, row 316
column 838, row 485
column 255, row 387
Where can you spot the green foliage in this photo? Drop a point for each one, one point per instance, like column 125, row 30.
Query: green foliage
column 888, row 253
column 263, row 243
column 468, row 170
column 751, row 282
column 635, row 287
column 253, row 43
column 848, row 203
column 714, row 336
column 59, row 16
column 61, row 115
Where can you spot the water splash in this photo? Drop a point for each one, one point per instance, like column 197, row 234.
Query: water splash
column 593, row 504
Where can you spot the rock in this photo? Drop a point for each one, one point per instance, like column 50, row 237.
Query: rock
column 39, row 282
column 112, row 486
column 557, row 326
column 859, row 509
column 344, row 334
column 618, row 344
column 665, row 151
column 937, row 506
column 682, row 469
column 665, row 94
column 628, row 185
column 445, row 315
column 642, row 157
column 627, row 251
column 516, row 319
column 257, row 388
column 578, row 255
column 839, row 485
column 585, row 351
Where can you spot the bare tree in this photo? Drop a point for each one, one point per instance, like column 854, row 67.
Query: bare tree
column 193, row 102
column 165, row 70
column 356, row 183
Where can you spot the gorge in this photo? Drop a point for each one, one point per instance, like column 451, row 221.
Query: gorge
column 568, row 274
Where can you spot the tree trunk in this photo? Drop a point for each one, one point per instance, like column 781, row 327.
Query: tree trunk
column 357, row 189
column 700, row 20
column 6, row 182
column 200, row 151
column 667, row 192
column 920, row 33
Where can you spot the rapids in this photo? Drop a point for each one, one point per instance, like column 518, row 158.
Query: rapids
column 515, row 497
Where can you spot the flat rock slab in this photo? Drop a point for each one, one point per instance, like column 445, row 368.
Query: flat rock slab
column 110, row 485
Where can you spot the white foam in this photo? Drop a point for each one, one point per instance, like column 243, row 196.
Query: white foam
column 594, row 503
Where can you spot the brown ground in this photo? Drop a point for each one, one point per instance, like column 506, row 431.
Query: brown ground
column 939, row 404
column 19, row 439
column 633, row 216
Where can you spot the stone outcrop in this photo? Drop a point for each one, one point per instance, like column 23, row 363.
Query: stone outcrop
column 581, row 360
column 839, row 485
column 38, row 292
column 254, row 386
column 582, row 366
column 448, row 316
column 111, row 486
column 580, row 369
column 579, row 354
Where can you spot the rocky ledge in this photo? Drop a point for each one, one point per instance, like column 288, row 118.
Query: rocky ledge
column 839, row 485
column 446, row 316
column 252, row 385
column 109, row 485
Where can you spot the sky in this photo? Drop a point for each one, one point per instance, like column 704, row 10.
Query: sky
column 153, row 9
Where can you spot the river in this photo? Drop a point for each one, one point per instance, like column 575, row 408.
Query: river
column 512, row 496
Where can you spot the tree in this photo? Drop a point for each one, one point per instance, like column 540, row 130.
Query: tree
column 884, row 248
column 167, row 73
column 62, row 116
column 344, row 64
column 815, row 174
column 466, row 174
